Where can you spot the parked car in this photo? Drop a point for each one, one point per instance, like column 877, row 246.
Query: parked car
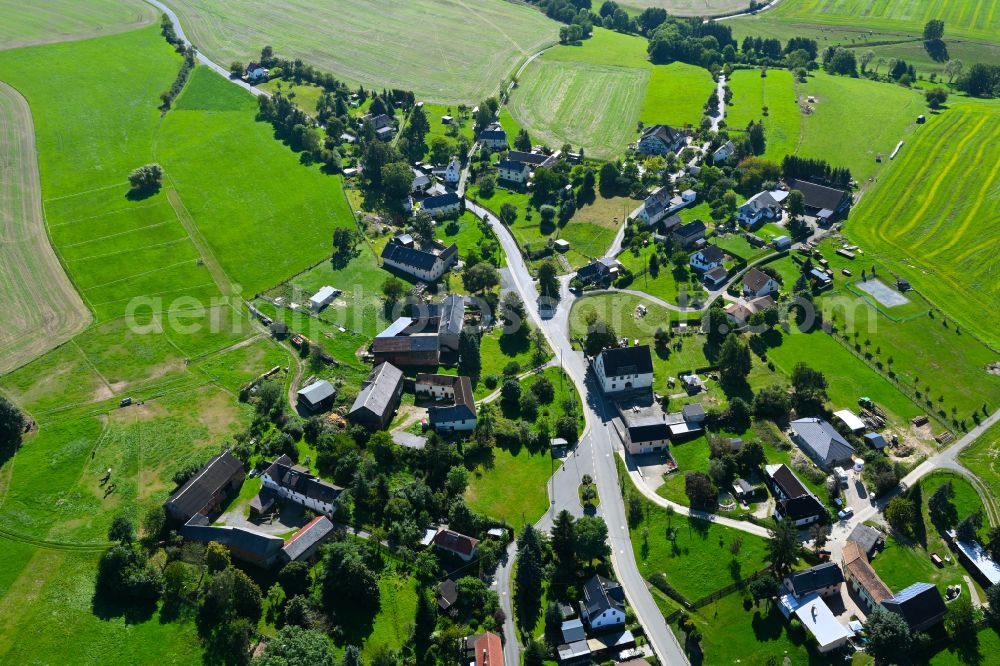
column 844, row 514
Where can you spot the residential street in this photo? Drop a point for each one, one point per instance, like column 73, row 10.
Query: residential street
column 594, row 455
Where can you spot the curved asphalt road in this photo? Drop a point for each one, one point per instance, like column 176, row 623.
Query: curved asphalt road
column 593, row 455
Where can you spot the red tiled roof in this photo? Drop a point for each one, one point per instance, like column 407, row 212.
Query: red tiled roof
column 455, row 542
column 489, row 650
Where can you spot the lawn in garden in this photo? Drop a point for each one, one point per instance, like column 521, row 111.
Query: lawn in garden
column 699, row 560
column 511, row 484
column 907, row 561
column 305, row 95
column 485, row 42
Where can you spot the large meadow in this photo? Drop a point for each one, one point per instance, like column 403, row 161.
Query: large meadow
column 933, row 216
column 416, row 46
column 822, row 117
column 163, row 276
column 594, row 94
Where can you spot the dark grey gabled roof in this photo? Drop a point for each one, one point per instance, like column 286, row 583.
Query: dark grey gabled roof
column 200, row 488
column 799, row 508
column 627, row 361
column 318, row 530
column 408, row 256
column 919, row 604
column 664, row 133
column 821, row 437
column 493, row 134
column 301, row 481
column 712, row 254
column 815, row 578
column 693, row 227
column 379, row 389
column 601, row 594
column 452, row 315
column 819, row 196
column 441, row 200
column 528, row 158
column 867, row 537
column 512, row 165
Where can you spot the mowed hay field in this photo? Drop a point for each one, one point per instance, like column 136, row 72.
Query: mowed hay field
column 593, row 106
column 38, row 304
column 594, row 94
column 444, row 51
column 969, row 18
column 26, row 23
column 933, row 215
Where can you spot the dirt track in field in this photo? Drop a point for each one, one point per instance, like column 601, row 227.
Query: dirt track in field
column 39, row 306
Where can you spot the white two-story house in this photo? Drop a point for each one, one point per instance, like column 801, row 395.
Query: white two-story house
column 296, row 484
column 707, row 258
column 624, row 369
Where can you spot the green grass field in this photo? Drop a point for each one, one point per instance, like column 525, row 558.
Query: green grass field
column 834, row 126
column 25, row 24
column 904, row 562
column 930, row 219
column 208, row 144
column 855, row 119
column 114, row 248
column 776, row 91
column 512, row 486
column 418, row 46
column 676, row 95
column 969, row 19
column 594, row 94
column 305, row 95
column 982, row 458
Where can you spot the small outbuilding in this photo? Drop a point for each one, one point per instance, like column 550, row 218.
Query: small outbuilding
column 317, row 396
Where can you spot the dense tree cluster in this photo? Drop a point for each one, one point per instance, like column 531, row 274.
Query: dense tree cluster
column 816, row 170
column 146, row 180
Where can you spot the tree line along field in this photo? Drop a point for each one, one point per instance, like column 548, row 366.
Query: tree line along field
column 594, row 94
column 847, row 123
column 26, row 23
column 443, row 51
column 933, row 217
column 40, row 307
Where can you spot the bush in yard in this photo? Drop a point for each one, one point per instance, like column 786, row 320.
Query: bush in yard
column 543, row 390
column 566, row 428
column 699, row 489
